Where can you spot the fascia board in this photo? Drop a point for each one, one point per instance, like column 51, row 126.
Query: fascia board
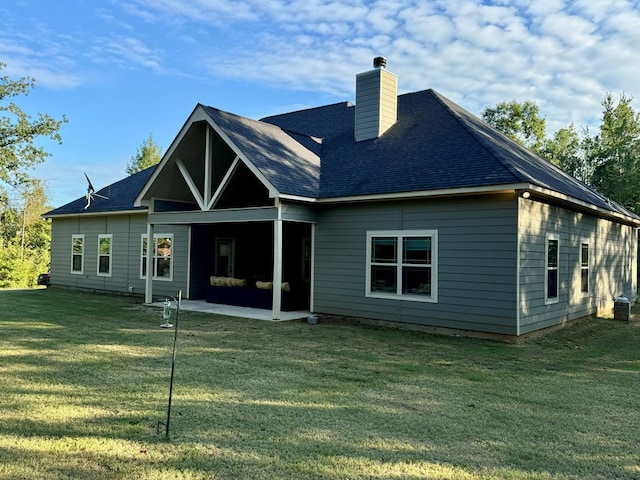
column 98, row 214
column 447, row 192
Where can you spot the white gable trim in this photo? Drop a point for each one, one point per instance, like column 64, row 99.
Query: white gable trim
column 199, row 115
column 224, row 183
column 190, row 183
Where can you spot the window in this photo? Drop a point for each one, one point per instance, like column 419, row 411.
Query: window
column 225, row 258
column 584, row 267
column 104, row 255
column 402, row 264
column 77, row 253
column 162, row 258
column 551, row 279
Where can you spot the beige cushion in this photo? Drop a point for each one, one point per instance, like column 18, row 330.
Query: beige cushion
column 238, row 282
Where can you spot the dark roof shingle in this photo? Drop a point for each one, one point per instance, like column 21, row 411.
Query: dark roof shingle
column 120, row 197
column 434, row 145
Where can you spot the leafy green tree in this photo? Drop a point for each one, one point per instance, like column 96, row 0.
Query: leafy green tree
column 9, row 219
column 18, row 131
column 615, row 153
column 26, row 236
column 14, row 271
column 520, row 121
column 566, row 150
column 34, row 200
column 147, row 155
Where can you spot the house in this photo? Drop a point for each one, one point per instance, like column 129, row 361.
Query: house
column 403, row 208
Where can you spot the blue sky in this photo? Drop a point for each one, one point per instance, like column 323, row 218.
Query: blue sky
column 123, row 69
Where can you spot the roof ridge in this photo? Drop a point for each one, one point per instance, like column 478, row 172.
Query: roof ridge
column 347, row 103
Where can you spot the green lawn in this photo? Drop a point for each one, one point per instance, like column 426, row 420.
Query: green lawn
column 84, row 381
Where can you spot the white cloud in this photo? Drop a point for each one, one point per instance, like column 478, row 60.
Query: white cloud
column 564, row 55
column 127, row 52
column 49, row 63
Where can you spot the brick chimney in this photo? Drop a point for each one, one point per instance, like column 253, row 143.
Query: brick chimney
column 376, row 101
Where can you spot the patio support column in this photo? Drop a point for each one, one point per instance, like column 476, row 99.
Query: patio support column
column 148, row 288
column 313, row 267
column 277, row 263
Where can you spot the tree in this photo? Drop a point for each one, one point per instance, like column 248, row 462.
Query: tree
column 615, row 153
column 18, row 131
column 25, row 236
column 147, row 155
column 566, row 150
column 520, row 121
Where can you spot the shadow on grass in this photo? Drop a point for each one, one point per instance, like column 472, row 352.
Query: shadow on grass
column 85, row 380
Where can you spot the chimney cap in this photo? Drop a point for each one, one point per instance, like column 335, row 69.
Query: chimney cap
column 380, row 62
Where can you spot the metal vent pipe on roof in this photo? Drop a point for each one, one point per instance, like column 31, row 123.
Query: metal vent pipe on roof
column 380, row 62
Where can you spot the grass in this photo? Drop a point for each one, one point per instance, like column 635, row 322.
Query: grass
column 84, row 382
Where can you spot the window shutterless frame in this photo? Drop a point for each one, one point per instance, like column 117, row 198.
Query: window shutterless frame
column 105, row 243
column 77, row 254
column 162, row 256
column 552, row 275
column 402, row 264
column 584, row 267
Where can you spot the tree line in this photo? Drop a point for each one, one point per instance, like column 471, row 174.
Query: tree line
column 608, row 160
column 25, row 237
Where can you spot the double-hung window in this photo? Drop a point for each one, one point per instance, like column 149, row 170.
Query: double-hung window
column 584, row 267
column 77, row 254
column 551, row 277
column 161, row 254
column 104, row 255
column 402, row 264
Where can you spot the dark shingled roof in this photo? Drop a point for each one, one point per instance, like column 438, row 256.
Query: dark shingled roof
column 289, row 161
column 120, row 196
column 434, row 145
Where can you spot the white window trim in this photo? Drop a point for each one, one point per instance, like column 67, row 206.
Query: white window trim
column 585, row 241
column 400, row 234
column 81, row 271
column 100, row 237
column 154, row 257
column 547, row 299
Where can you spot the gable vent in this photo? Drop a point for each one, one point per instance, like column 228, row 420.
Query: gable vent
column 376, row 101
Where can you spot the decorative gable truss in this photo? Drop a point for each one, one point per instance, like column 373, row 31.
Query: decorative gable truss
column 204, row 169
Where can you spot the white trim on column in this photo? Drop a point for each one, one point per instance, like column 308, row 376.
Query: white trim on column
column 277, row 263
column 148, row 289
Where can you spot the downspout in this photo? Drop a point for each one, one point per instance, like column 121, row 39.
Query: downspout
column 277, row 262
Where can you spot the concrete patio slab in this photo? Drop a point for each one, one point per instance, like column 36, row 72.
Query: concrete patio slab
column 233, row 311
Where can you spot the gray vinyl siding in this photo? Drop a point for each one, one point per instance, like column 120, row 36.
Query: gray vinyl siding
column 298, row 213
column 612, row 264
column 126, row 231
column 477, row 261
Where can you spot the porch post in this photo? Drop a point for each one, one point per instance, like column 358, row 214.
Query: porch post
column 148, row 289
column 277, row 264
column 312, row 285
